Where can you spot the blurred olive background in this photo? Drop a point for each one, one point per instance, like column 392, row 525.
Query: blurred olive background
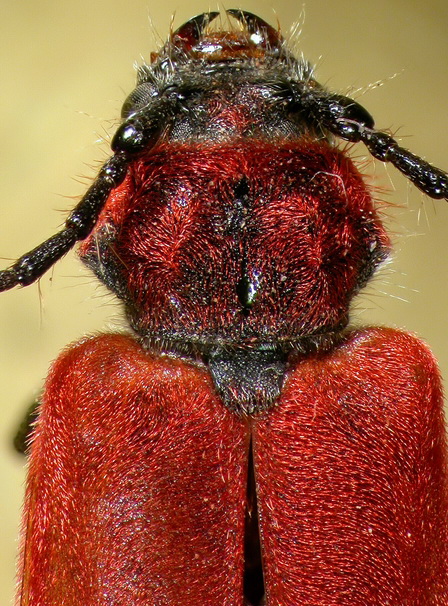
column 66, row 68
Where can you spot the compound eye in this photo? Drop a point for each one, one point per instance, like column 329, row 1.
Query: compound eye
column 138, row 99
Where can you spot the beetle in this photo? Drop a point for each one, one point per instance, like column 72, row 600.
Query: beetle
column 246, row 445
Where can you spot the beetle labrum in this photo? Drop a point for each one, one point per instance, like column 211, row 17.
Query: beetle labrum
column 244, row 446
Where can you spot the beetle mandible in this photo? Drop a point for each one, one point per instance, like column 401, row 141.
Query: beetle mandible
column 244, row 445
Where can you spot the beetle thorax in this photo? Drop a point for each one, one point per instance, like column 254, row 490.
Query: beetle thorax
column 243, row 243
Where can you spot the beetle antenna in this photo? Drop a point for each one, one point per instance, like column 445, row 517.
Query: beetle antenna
column 32, row 265
column 350, row 121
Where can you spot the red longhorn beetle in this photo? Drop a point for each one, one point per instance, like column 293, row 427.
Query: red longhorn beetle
column 242, row 446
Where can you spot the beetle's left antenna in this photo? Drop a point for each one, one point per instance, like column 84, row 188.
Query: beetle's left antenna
column 79, row 224
column 137, row 135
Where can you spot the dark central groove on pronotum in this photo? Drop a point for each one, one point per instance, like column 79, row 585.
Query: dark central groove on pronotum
column 247, row 286
column 253, row 569
column 247, row 378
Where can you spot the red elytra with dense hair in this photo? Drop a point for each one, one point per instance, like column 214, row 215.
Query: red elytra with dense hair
column 244, row 447
column 139, row 495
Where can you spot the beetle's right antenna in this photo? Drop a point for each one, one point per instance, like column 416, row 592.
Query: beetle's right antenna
column 350, row 121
